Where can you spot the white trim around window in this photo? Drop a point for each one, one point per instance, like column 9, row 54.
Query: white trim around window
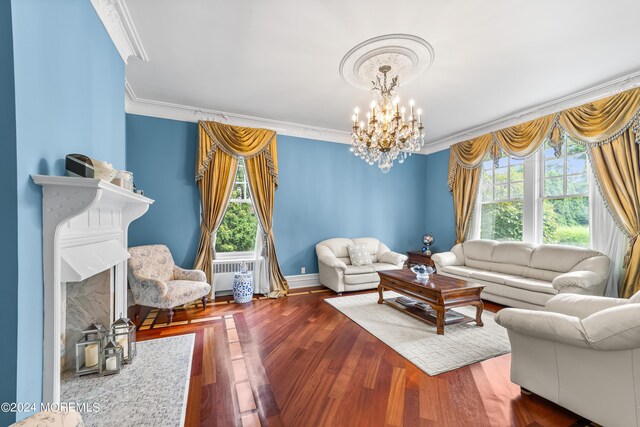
column 533, row 197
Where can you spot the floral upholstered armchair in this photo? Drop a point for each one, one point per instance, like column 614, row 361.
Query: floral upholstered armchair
column 52, row 419
column 156, row 281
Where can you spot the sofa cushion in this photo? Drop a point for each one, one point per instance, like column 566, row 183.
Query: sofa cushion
column 479, row 264
column 359, row 269
column 490, row 276
column 151, row 261
column 372, row 245
column 357, row 279
column 382, row 266
column 532, row 285
column 512, row 269
column 515, row 253
column 338, row 246
column 459, row 270
column 540, row 274
column 537, row 298
column 359, row 255
column 181, row 292
column 559, row 258
column 481, row 250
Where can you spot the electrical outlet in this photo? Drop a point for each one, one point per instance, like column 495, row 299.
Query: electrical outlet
column 302, row 270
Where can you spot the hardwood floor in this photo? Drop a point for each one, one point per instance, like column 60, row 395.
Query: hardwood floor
column 297, row 361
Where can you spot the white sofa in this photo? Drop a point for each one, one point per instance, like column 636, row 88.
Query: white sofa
column 337, row 273
column 524, row 275
column 583, row 354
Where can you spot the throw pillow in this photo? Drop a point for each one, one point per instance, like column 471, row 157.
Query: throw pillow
column 359, row 255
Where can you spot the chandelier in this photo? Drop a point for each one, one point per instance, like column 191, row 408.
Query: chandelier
column 387, row 135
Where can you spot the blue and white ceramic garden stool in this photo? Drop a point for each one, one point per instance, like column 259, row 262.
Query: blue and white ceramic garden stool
column 243, row 287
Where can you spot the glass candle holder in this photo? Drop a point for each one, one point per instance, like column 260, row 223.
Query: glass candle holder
column 89, row 348
column 111, row 361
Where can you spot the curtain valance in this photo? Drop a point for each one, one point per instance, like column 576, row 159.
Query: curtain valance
column 594, row 123
column 235, row 141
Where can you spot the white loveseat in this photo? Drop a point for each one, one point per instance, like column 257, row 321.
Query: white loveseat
column 337, row 273
column 583, row 353
column 525, row 275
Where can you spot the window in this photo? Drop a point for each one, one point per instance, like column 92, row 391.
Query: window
column 565, row 195
column 542, row 199
column 237, row 233
column 502, row 192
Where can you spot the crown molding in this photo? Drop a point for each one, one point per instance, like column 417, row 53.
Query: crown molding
column 116, row 19
column 166, row 110
column 186, row 113
column 593, row 93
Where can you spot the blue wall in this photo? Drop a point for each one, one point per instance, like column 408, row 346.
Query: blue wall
column 8, row 217
column 162, row 155
column 69, row 89
column 324, row 192
column 439, row 209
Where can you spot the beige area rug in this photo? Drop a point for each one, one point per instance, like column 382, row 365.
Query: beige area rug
column 417, row 341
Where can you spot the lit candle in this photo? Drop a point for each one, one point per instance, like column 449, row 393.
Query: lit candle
column 110, row 363
column 411, row 103
column 356, row 110
column 420, row 117
column 124, row 343
column 373, row 109
column 91, row 355
column 402, row 110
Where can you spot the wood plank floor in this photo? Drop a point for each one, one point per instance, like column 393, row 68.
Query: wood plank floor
column 297, row 361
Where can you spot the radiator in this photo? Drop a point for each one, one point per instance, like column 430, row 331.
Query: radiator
column 223, row 271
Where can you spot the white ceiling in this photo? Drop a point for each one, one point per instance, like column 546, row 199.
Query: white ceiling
column 279, row 59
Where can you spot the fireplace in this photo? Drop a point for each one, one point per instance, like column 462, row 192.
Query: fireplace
column 85, row 223
column 84, row 303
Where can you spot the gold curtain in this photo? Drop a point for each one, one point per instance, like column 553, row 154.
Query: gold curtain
column 215, row 184
column 263, row 186
column 617, row 167
column 610, row 127
column 258, row 147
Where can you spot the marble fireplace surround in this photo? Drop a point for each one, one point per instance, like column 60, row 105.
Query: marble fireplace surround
column 83, row 303
column 84, row 237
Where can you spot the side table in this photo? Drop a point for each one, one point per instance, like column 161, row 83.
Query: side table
column 417, row 257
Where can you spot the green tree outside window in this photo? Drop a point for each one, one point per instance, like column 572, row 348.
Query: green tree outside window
column 237, row 233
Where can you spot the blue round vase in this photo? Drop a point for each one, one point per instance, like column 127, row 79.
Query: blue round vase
column 243, row 287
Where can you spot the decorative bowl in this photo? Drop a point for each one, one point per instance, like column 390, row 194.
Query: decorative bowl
column 422, row 272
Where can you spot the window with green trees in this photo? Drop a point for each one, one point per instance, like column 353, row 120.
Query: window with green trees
column 502, row 194
column 541, row 199
column 237, row 233
column 565, row 195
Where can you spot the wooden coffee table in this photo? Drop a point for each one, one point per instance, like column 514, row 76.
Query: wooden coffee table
column 440, row 292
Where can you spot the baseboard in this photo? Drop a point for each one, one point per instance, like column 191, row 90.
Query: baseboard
column 303, row 280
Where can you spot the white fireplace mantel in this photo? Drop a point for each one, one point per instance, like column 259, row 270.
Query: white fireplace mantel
column 84, row 232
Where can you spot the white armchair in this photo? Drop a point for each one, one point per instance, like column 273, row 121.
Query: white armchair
column 156, row 281
column 337, row 273
column 582, row 353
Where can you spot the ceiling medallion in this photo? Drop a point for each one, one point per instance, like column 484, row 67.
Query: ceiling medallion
column 388, row 133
